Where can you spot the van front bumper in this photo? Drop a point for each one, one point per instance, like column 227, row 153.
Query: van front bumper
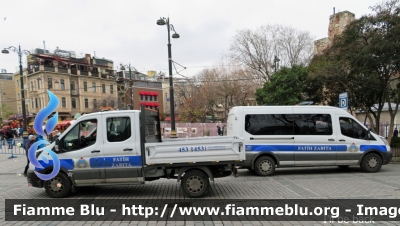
column 387, row 157
column 34, row 180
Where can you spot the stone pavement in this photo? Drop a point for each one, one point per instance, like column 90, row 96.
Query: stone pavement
column 288, row 183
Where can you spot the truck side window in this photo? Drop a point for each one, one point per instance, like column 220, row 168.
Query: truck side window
column 118, row 129
column 351, row 128
column 80, row 136
column 312, row 124
column 269, row 124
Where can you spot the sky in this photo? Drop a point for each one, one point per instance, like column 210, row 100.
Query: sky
column 125, row 31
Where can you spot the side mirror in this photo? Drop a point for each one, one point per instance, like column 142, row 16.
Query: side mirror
column 369, row 134
column 56, row 146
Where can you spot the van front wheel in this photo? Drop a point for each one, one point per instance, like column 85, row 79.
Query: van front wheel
column 264, row 166
column 371, row 163
column 59, row 186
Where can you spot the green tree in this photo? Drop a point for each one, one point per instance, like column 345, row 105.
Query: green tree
column 365, row 61
column 288, row 86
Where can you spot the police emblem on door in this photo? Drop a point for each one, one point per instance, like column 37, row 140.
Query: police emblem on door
column 81, row 163
column 353, row 148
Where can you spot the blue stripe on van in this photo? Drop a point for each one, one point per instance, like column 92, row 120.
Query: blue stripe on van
column 67, row 164
column 302, row 148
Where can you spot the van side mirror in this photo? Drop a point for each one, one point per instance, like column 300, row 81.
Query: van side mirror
column 56, row 147
column 369, row 134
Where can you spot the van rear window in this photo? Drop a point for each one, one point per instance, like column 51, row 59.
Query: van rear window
column 288, row 124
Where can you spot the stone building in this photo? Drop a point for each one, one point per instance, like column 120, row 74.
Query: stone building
column 82, row 85
column 8, row 102
column 337, row 24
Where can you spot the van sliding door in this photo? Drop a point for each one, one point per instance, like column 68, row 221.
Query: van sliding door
column 314, row 138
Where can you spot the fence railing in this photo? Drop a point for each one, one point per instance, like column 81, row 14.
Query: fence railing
column 12, row 148
column 396, row 152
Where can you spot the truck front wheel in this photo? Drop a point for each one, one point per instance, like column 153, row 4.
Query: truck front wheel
column 58, row 187
column 195, row 184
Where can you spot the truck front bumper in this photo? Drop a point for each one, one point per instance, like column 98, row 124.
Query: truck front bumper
column 387, row 157
column 34, row 180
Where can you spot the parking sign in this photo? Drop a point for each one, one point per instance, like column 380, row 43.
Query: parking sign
column 343, row 101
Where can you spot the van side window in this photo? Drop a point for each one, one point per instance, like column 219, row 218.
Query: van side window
column 118, row 129
column 268, row 124
column 312, row 124
column 80, row 136
column 351, row 128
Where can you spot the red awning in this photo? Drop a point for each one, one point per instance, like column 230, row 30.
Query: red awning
column 156, row 104
column 146, row 103
column 142, row 103
column 169, row 119
column 141, row 93
column 155, row 94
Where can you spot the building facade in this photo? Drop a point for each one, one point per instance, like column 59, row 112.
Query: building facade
column 82, row 85
column 8, row 102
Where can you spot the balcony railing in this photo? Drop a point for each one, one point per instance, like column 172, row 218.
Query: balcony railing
column 74, row 72
column 52, row 69
column 104, row 75
column 95, row 74
column 86, row 73
column 74, row 92
column 63, row 70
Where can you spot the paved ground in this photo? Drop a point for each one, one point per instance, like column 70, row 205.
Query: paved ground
column 299, row 183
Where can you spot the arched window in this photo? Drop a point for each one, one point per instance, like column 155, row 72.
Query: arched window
column 73, row 103
column 50, row 83
column 86, row 103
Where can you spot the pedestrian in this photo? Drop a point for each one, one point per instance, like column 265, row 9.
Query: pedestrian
column 219, row 131
column 224, row 130
column 9, row 137
column 396, row 132
column 28, row 144
column 21, row 131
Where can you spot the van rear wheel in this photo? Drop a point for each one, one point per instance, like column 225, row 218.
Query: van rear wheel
column 371, row 163
column 264, row 166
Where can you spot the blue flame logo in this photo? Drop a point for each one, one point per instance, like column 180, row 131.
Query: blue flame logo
column 37, row 126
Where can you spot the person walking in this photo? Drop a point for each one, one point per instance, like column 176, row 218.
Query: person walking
column 9, row 137
column 224, row 130
column 219, row 131
column 396, row 132
column 28, row 144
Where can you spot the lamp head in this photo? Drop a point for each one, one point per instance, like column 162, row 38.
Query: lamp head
column 5, row 51
column 122, row 68
column 161, row 22
column 176, row 35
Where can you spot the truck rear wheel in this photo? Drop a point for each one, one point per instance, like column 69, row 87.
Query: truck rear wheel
column 371, row 163
column 264, row 166
column 58, row 187
column 195, row 184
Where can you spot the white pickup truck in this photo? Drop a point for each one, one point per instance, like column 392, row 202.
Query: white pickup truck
column 125, row 148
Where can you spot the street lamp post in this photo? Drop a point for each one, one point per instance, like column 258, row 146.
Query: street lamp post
column 170, row 27
column 19, row 52
column 130, row 81
column 276, row 62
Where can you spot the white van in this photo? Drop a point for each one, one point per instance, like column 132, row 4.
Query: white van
column 287, row 136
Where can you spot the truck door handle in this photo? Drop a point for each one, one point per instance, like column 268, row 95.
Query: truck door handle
column 342, row 140
column 331, row 139
column 95, row 151
column 128, row 149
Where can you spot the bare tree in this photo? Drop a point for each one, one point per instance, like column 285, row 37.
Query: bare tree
column 259, row 49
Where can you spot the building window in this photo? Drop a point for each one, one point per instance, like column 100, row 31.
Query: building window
column 36, row 101
column 103, row 88
column 94, row 87
column 72, row 85
column 146, row 98
column 40, row 103
column 155, row 98
column 33, row 104
column 84, row 86
column 94, row 103
column 141, row 97
column 19, row 96
column 62, row 84
column 86, row 103
column 112, row 104
column 32, row 86
column 104, row 103
column 73, row 103
column 151, row 98
column 50, row 83
column 64, row 103
column 38, row 84
column 111, row 89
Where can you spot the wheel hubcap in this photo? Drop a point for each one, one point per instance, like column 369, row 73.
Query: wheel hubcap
column 55, row 185
column 195, row 184
column 265, row 166
column 372, row 162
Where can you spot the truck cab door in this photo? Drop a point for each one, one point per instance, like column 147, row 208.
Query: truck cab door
column 123, row 161
column 83, row 147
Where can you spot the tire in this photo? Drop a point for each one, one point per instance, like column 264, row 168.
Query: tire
column 264, row 166
column 58, row 187
column 343, row 166
column 371, row 163
column 195, row 184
